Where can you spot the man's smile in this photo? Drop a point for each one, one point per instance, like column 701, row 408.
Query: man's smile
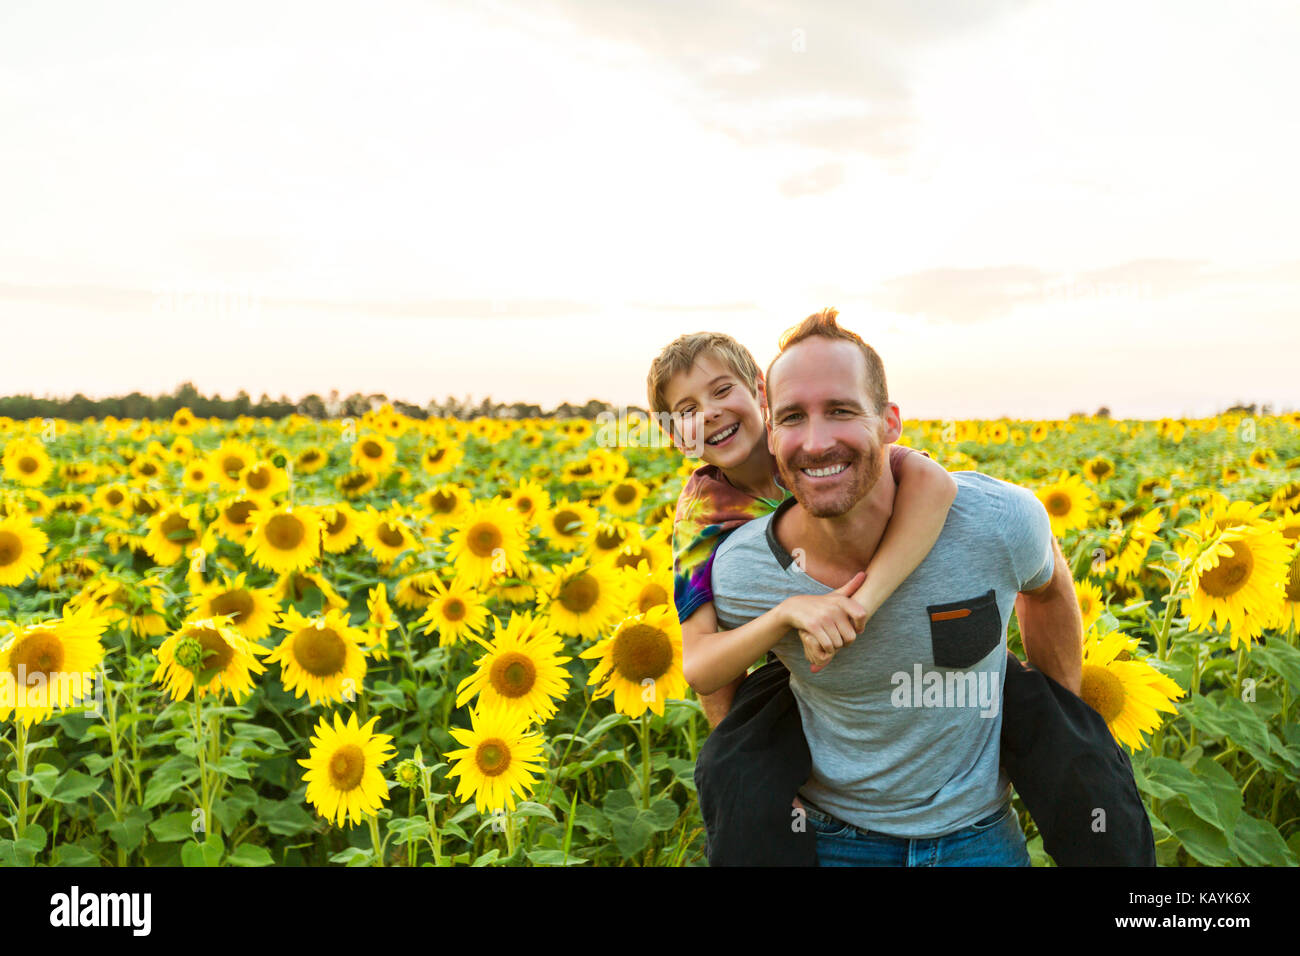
column 827, row 471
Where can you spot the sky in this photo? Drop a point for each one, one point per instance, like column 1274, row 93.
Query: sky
column 1029, row 208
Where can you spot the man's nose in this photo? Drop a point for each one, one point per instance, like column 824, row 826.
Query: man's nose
column 818, row 437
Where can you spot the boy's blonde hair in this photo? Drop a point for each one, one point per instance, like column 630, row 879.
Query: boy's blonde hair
column 680, row 354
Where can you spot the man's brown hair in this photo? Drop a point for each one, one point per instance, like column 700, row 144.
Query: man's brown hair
column 825, row 324
column 680, row 354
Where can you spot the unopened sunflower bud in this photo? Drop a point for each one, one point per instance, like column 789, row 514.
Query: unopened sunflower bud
column 407, row 774
column 189, row 654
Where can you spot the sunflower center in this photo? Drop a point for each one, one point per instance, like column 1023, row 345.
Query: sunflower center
column 216, row 652
column 1102, row 691
column 38, row 653
column 624, row 494
column 630, row 559
column 1101, row 469
column 337, row 523
column 11, row 547
column 652, row 595
column 371, row 449
column 354, row 481
column 28, row 464
column 309, row 456
column 285, row 532
column 238, row 603
column 1058, row 503
column 564, row 520
column 484, row 538
column 513, row 674
column 1231, row 574
column 232, row 465
column 524, row 505
column 608, row 540
column 238, row 512
column 347, row 767
column 259, row 479
column 114, row 497
column 143, row 507
column 177, row 528
column 454, row 609
column 580, row 594
column 641, row 652
column 442, row 502
column 319, row 651
column 492, row 757
column 390, row 535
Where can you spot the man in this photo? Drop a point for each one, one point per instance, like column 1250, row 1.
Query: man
column 903, row 724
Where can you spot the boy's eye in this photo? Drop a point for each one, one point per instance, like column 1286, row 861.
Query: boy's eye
column 722, row 391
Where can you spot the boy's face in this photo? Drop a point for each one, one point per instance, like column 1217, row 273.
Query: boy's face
column 716, row 417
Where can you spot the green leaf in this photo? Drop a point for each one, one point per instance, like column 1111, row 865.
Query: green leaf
column 74, row 786
column 166, row 780
column 207, row 853
column 353, row 856
column 1223, row 790
column 44, row 779
column 554, row 858
column 73, row 854
column 1249, row 731
column 248, row 855
column 283, row 817
column 1206, row 844
column 32, row 839
column 172, row 827
column 129, row 831
column 530, row 809
column 1282, row 659
column 663, row 813
column 1258, row 843
column 231, row 766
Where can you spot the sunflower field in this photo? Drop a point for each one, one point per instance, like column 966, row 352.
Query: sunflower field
column 387, row 641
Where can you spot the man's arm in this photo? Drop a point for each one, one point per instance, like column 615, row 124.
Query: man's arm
column 1051, row 626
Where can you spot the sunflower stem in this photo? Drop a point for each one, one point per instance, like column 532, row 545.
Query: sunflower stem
column 21, row 751
column 410, row 812
column 645, row 760
column 374, row 838
column 200, row 750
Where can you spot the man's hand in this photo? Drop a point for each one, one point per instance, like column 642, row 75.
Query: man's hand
column 826, row 622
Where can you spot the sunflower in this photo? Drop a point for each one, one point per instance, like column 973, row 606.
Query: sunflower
column 530, row 500
column 223, row 657
column 49, row 665
column 1289, row 616
column 184, row 422
column 489, row 541
column 567, row 523
column 381, row 620
column 521, row 672
column 340, row 527
column 321, row 655
column 22, row 549
column 229, row 460
column 1098, row 469
column 641, row 665
column 311, row 460
column 236, row 518
column 252, row 610
column 1126, row 692
column 608, row 538
column 26, row 462
column 263, row 481
column 1239, row 580
column 141, row 603
column 1286, row 499
column 520, row 587
column 198, row 475
column 499, row 759
column 356, row 483
column 647, row 588
column 582, row 598
column 373, row 453
column 456, row 611
column 174, row 532
column 384, row 534
column 1068, row 502
column 298, row 586
column 1140, row 536
column 284, row 538
column 1091, row 603
column 637, row 550
column 441, row 458
column 115, row 498
column 446, row 504
column 624, row 498
column 343, row 776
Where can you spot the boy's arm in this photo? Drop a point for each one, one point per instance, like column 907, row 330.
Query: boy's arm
column 925, row 493
column 717, row 704
column 713, row 660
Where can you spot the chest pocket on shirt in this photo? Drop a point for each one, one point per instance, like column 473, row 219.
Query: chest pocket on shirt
column 964, row 632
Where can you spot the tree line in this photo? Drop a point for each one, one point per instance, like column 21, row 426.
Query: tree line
column 137, row 405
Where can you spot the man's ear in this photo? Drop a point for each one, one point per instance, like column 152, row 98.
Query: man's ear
column 893, row 423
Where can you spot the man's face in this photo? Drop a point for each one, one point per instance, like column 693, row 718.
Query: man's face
column 825, row 434
column 718, row 418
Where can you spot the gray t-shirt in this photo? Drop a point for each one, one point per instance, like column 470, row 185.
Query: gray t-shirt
column 904, row 724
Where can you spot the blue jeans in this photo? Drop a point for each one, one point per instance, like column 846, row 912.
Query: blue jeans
column 997, row 840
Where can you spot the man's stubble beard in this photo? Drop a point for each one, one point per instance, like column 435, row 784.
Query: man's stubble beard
column 793, row 478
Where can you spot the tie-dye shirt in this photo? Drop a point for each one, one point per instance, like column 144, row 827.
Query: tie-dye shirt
column 708, row 509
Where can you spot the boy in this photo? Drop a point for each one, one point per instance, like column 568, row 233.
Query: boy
column 711, row 385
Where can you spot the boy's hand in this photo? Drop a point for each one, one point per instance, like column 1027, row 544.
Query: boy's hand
column 826, row 622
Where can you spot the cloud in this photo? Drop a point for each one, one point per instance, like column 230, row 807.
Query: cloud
column 825, row 75
column 822, row 179
column 973, row 295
